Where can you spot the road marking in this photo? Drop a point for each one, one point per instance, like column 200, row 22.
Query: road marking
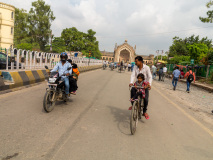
column 185, row 113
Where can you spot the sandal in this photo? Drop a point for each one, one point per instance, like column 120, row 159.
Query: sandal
column 146, row 115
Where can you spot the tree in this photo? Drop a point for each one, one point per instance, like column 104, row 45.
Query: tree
column 209, row 18
column 73, row 39
column 40, row 18
column 179, row 59
column 178, row 47
column 21, row 27
column 91, row 44
column 58, row 45
column 198, row 51
column 78, row 41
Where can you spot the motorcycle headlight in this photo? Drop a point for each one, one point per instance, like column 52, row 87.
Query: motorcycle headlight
column 52, row 80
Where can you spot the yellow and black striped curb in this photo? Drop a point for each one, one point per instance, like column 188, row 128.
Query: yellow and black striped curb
column 28, row 78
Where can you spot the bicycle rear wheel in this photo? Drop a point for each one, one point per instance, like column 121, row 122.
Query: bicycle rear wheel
column 134, row 118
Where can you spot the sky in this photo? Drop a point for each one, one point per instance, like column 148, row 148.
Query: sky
column 150, row 25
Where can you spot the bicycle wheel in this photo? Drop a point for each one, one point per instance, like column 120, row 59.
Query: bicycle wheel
column 134, row 118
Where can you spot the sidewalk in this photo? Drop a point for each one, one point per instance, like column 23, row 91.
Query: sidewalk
column 200, row 85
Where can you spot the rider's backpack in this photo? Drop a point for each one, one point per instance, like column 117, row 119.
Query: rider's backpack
column 190, row 77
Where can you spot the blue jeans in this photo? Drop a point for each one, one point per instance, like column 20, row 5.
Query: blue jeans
column 153, row 75
column 67, row 84
column 174, row 81
column 188, row 85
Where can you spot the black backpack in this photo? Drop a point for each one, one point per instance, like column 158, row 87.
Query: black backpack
column 190, row 77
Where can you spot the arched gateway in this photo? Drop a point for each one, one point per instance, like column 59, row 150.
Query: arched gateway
column 124, row 52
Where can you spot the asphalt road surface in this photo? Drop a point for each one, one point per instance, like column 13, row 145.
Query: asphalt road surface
column 94, row 125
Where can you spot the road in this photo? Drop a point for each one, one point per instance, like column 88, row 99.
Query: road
column 94, row 125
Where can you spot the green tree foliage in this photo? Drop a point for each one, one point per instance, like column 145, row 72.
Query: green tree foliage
column 58, row 45
column 21, row 27
column 73, row 39
column 33, row 27
column 78, row 41
column 191, row 46
column 40, row 18
column 198, row 51
column 178, row 59
column 209, row 18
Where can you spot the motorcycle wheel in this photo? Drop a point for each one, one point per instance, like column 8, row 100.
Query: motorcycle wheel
column 47, row 104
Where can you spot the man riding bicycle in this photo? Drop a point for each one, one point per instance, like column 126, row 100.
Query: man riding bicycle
column 62, row 67
column 145, row 70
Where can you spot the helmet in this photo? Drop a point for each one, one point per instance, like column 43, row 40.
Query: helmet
column 63, row 56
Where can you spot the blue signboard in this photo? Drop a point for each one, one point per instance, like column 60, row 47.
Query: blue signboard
column 75, row 54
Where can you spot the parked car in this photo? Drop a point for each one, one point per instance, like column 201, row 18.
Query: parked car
column 3, row 59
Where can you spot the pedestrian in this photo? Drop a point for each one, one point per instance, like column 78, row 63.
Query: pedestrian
column 190, row 77
column 164, row 70
column 132, row 67
column 160, row 73
column 154, row 72
column 182, row 74
column 175, row 77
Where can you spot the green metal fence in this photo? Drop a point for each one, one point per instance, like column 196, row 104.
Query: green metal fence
column 200, row 70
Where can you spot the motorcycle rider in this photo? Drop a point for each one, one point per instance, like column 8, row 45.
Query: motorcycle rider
column 62, row 67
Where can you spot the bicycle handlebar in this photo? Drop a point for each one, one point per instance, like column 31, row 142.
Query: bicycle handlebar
column 138, row 87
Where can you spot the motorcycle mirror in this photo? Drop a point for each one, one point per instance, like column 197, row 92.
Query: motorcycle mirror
column 46, row 67
column 69, row 68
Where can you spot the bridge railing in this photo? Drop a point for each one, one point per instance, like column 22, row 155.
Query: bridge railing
column 27, row 60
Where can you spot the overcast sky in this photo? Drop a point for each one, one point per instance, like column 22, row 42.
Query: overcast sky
column 150, row 25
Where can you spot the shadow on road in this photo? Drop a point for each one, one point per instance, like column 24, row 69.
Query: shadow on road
column 122, row 119
column 60, row 104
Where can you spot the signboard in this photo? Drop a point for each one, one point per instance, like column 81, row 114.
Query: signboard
column 192, row 61
column 75, row 54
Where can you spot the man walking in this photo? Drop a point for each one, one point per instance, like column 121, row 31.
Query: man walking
column 164, row 72
column 160, row 73
column 190, row 76
column 175, row 77
column 154, row 71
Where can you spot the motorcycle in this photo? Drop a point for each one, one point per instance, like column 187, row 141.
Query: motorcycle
column 55, row 90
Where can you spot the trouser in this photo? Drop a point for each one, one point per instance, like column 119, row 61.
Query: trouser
column 146, row 99
column 153, row 75
column 73, row 84
column 160, row 76
column 188, row 85
column 174, row 81
column 67, row 85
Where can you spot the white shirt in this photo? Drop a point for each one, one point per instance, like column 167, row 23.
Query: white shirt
column 129, row 65
column 164, row 69
column 104, row 62
column 145, row 71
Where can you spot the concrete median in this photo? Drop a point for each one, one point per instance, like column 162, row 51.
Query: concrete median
column 14, row 79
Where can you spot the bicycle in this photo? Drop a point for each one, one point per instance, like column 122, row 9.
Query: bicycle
column 136, row 112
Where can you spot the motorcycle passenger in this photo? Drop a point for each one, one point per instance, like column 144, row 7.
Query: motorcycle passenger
column 73, row 78
column 62, row 67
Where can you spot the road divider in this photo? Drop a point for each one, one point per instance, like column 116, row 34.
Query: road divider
column 14, row 79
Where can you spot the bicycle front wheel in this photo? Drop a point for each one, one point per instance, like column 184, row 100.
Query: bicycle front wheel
column 134, row 118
